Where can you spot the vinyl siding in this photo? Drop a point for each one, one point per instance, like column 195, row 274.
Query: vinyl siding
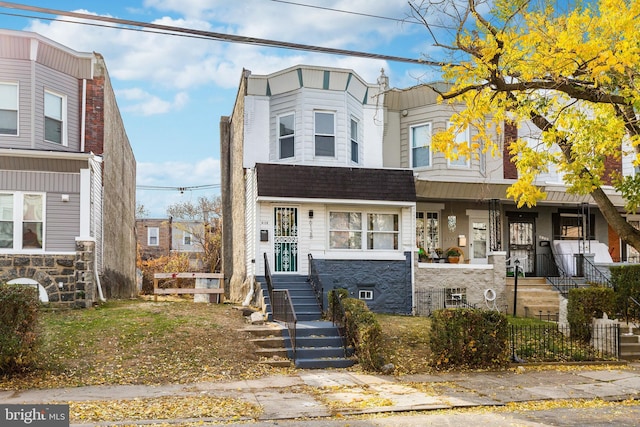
column 63, row 222
column 57, row 82
column 40, row 181
column 252, row 236
column 14, row 71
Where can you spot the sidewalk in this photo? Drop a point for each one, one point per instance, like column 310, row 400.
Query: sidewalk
column 323, row 393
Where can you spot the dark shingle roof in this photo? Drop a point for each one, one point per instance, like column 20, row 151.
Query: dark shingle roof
column 319, row 182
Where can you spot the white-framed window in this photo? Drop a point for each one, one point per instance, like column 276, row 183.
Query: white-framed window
column 286, row 136
column 455, row 297
column 153, row 236
column 324, row 134
column 428, row 230
column 383, row 231
column 187, row 238
column 354, row 141
column 345, row 230
column 365, row 294
column 421, row 145
column 22, row 221
column 358, row 230
column 460, row 138
column 55, row 115
column 8, row 108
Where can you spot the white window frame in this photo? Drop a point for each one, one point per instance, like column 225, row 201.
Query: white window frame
column 18, row 220
column 150, row 235
column 355, row 144
column 460, row 137
column 62, row 119
column 421, row 241
column 365, row 294
column 365, row 232
column 9, row 106
column 187, row 238
column 329, row 136
column 417, row 145
column 282, row 138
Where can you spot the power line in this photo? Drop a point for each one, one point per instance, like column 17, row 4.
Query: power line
column 180, row 189
column 348, row 12
column 171, row 30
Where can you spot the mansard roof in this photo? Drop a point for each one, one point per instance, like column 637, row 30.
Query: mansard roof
column 344, row 183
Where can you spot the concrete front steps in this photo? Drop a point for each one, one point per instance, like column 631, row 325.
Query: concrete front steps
column 629, row 342
column 271, row 349
column 318, row 342
column 318, row 346
column 536, row 298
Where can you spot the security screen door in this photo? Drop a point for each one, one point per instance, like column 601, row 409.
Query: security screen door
column 285, row 239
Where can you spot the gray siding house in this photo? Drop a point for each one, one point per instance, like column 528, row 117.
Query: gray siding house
column 67, row 175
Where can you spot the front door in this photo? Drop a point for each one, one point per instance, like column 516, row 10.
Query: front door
column 285, row 239
column 522, row 243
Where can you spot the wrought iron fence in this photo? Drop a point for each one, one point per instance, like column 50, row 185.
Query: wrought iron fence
column 558, row 343
column 427, row 301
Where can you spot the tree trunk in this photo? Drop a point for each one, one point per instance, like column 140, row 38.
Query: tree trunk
column 618, row 223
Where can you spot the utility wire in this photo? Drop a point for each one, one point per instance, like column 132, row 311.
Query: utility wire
column 348, row 12
column 171, row 30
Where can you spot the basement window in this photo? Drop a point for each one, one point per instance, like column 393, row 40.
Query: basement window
column 365, row 294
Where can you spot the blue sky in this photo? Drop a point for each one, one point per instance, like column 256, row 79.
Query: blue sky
column 172, row 91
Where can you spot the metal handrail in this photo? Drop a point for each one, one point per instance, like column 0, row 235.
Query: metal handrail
column 267, row 276
column 594, row 275
column 281, row 306
column 316, row 283
column 283, row 311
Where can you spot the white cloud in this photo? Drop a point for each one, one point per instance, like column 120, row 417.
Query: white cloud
column 175, row 175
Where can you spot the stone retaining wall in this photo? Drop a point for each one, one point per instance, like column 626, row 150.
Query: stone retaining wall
column 475, row 278
column 67, row 278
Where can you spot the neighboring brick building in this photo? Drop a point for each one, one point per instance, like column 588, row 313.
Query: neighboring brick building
column 67, row 174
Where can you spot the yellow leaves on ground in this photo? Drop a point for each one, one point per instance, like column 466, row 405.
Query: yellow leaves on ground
column 162, row 408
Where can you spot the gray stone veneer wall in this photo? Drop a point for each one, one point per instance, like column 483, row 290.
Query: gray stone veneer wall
column 68, row 279
column 390, row 281
column 475, row 278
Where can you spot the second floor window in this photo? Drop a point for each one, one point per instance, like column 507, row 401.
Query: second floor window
column 354, row 141
column 8, row 109
column 286, row 137
column 186, row 239
column 421, row 145
column 153, row 234
column 462, row 137
column 325, row 137
column 54, row 118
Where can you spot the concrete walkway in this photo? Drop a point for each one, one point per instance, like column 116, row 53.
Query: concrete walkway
column 323, row 393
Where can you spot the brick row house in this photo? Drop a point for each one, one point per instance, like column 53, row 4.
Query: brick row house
column 312, row 155
column 159, row 237
column 67, row 174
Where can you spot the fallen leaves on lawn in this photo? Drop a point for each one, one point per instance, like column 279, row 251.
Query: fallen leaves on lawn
column 162, row 408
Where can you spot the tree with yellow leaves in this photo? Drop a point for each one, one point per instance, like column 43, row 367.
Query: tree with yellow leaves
column 570, row 68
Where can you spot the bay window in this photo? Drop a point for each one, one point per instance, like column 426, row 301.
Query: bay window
column 421, row 145
column 324, row 135
column 54, row 117
column 8, row 108
column 286, row 136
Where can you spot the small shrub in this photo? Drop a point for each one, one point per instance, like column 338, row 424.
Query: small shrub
column 626, row 283
column 18, row 322
column 469, row 338
column 362, row 329
column 586, row 303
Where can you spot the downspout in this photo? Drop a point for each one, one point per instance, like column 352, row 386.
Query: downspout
column 83, row 119
column 97, row 276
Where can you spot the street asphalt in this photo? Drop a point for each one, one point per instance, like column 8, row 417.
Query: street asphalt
column 322, row 397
